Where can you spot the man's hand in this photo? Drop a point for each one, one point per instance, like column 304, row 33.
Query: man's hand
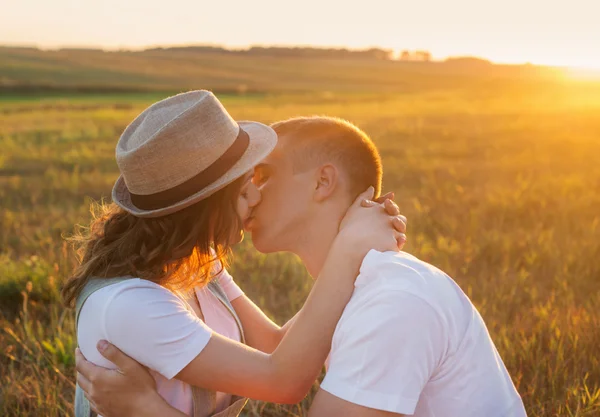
column 128, row 390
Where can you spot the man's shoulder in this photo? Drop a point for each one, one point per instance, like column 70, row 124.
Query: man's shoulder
column 388, row 278
column 399, row 270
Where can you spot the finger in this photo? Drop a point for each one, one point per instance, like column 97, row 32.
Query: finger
column 83, row 366
column 84, row 383
column 400, row 240
column 94, row 407
column 398, row 224
column 368, row 203
column 113, row 354
column 391, row 208
column 388, row 196
column 365, row 195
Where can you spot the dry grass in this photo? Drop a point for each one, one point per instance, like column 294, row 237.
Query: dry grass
column 500, row 186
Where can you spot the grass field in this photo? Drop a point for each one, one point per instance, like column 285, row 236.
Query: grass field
column 500, row 182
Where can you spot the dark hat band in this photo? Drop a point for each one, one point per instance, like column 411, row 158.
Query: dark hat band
column 198, row 182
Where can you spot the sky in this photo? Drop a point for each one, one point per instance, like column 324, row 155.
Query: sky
column 548, row 32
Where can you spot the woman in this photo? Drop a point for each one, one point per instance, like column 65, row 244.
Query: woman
column 152, row 276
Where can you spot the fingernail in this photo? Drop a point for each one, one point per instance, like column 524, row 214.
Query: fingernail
column 102, row 345
column 77, row 351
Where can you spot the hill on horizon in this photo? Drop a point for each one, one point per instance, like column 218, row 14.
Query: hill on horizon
column 255, row 70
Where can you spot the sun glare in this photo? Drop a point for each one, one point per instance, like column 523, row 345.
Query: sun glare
column 584, row 73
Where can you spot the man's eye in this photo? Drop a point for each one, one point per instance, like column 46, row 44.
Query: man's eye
column 259, row 179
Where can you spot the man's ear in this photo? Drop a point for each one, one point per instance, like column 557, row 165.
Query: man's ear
column 327, row 181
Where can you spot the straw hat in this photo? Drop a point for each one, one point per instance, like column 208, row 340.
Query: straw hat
column 183, row 149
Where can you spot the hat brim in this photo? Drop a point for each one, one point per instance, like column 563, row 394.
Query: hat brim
column 262, row 141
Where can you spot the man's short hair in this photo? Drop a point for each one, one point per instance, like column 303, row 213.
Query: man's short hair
column 321, row 139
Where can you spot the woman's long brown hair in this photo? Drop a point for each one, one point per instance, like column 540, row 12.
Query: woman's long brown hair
column 179, row 251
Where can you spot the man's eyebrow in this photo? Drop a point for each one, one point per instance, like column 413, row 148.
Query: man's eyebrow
column 262, row 165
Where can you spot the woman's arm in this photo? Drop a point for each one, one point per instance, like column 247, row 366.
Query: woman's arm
column 260, row 331
column 288, row 373
column 226, row 366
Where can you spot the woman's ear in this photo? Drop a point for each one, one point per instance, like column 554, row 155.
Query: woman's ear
column 327, row 181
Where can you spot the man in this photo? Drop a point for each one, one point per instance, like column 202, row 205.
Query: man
column 410, row 342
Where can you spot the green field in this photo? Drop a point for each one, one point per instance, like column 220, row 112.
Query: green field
column 499, row 176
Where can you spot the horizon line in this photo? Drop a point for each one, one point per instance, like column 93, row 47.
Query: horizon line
column 247, row 47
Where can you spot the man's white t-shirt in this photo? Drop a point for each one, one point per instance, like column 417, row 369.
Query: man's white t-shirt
column 158, row 329
column 411, row 342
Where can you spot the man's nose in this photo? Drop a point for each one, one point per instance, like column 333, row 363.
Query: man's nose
column 255, row 197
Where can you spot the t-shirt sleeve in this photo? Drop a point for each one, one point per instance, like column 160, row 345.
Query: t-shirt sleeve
column 155, row 327
column 385, row 352
column 231, row 289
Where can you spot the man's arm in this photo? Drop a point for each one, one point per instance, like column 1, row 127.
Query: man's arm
column 326, row 404
column 137, row 386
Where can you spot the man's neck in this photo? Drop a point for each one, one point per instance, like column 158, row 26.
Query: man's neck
column 317, row 239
